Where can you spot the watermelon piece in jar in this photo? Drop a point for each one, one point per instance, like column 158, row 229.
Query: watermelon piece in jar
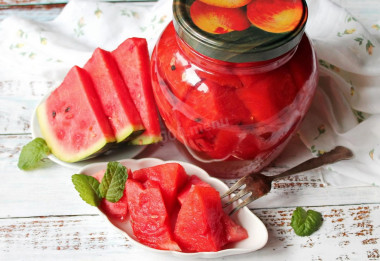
column 118, row 210
column 265, row 96
column 214, row 109
column 72, row 123
column 132, row 58
column 171, row 177
column 149, row 218
column 175, row 69
column 114, row 96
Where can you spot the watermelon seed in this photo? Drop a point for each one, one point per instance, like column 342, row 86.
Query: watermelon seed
column 173, row 67
column 67, row 109
column 198, row 119
column 53, row 114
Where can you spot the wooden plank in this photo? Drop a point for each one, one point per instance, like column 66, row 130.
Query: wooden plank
column 348, row 233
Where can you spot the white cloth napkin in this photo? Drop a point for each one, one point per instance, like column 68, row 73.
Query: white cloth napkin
column 346, row 108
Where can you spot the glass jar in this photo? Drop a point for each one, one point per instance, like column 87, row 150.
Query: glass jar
column 234, row 94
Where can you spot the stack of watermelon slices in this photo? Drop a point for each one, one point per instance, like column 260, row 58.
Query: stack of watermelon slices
column 170, row 210
column 110, row 100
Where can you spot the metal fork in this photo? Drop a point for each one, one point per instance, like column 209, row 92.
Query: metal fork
column 257, row 184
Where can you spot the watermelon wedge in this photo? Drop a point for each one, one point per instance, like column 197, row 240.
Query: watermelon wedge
column 149, row 218
column 132, row 58
column 72, row 122
column 171, row 177
column 114, row 96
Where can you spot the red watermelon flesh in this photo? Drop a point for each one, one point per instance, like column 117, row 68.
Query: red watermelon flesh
column 193, row 180
column 234, row 232
column 265, row 96
column 149, row 219
column 132, row 58
column 174, row 68
column 71, row 120
column 114, row 96
column 199, row 224
column 216, row 103
column 118, row 210
column 170, row 176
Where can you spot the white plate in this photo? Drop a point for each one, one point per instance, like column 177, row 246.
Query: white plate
column 257, row 232
column 128, row 151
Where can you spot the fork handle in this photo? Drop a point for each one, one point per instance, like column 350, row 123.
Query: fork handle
column 336, row 154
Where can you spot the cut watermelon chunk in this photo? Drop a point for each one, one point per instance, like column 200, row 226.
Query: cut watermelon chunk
column 149, row 218
column 118, row 210
column 114, row 96
column 170, row 176
column 132, row 58
column 199, row 224
column 72, row 122
column 193, row 180
column 234, row 232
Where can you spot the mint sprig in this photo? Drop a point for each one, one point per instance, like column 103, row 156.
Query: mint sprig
column 113, row 182
column 304, row 222
column 32, row 153
column 88, row 188
column 111, row 187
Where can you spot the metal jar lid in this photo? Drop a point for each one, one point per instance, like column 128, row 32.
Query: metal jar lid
column 240, row 30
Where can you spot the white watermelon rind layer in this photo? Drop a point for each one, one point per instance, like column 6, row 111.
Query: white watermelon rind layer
column 57, row 150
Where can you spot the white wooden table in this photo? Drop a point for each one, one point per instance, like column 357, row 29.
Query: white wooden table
column 42, row 217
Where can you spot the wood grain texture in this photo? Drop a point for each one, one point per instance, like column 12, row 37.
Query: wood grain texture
column 347, row 233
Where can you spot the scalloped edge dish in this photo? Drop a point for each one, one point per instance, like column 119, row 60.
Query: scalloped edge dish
column 116, row 154
column 258, row 234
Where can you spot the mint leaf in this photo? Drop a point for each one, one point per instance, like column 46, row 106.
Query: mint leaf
column 113, row 183
column 32, row 153
column 88, row 188
column 305, row 223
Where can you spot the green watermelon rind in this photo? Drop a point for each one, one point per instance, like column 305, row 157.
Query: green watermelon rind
column 146, row 139
column 58, row 151
column 129, row 132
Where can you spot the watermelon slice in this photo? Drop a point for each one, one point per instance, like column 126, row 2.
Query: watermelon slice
column 170, row 176
column 114, row 96
column 199, row 224
column 132, row 58
column 71, row 120
column 118, row 210
column 149, row 218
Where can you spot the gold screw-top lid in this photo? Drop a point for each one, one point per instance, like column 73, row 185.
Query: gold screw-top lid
column 240, row 30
